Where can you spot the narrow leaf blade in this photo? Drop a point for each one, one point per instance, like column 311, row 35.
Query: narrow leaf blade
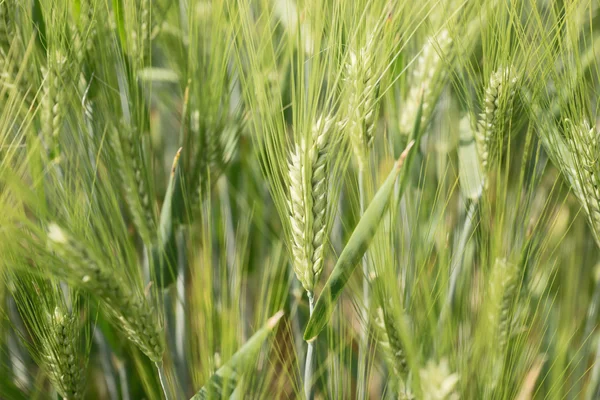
column 226, row 377
column 164, row 254
column 353, row 252
column 469, row 169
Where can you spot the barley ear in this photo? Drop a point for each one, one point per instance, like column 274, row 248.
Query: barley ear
column 129, row 308
column 361, row 82
column 53, row 104
column 496, row 112
column 390, row 341
column 353, row 251
column 425, row 80
column 61, row 353
column 307, row 203
column 582, row 170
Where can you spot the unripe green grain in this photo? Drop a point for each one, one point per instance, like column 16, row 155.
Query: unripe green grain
column 426, row 74
column 53, row 103
column 497, row 101
column 362, row 99
column 62, row 356
column 129, row 307
column 308, row 203
column 390, row 342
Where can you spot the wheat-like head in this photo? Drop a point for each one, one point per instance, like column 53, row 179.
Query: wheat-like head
column 61, row 354
column 362, row 99
column 391, row 344
column 129, row 157
column 53, row 103
column 497, row 101
column 308, row 203
column 580, row 167
column 438, row 382
column 129, row 307
column 424, row 80
column 502, row 287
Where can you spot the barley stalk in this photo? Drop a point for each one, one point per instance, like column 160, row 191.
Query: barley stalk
column 129, row 307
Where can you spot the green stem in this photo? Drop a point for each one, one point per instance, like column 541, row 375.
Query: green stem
column 180, row 316
column 308, row 365
column 592, row 316
column 105, row 354
column 162, row 376
column 593, row 389
column 296, row 295
column 122, row 371
column 456, row 267
column 362, row 347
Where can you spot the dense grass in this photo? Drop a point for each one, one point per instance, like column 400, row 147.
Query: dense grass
column 299, row 199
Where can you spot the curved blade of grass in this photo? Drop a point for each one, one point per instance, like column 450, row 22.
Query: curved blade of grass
column 120, row 22
column 469, row 168
column 153, row 74
column 415, row 137
column 39, row 24
column 226, row 377
column 165, row 252
column 354, row 250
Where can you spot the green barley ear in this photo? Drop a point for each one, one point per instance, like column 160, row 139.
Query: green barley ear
column 500, row 295
column 130, row 161
column 308, row 177
column 61, row 354
column 129, row 308
column 581, row 169
column 361, row 80
column 58, row 341
column 389, row 339
column 497, row 103
column 425, row 80
column 438, row 382
column 53, row 103
column 353, row 251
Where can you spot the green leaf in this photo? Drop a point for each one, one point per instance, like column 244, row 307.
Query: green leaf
column 415, row 138
column 158, row 75
column 164, row 254
column 39, row 24
column 120, row 22
column 353, row 252
column 226, row 378
column 469, row 168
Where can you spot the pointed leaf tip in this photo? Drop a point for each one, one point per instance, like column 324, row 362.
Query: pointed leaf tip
column 404, row 154
column 176, row 161
column 274, row 320
column 354, row 250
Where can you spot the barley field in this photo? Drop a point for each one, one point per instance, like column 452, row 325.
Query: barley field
column 299, row 199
